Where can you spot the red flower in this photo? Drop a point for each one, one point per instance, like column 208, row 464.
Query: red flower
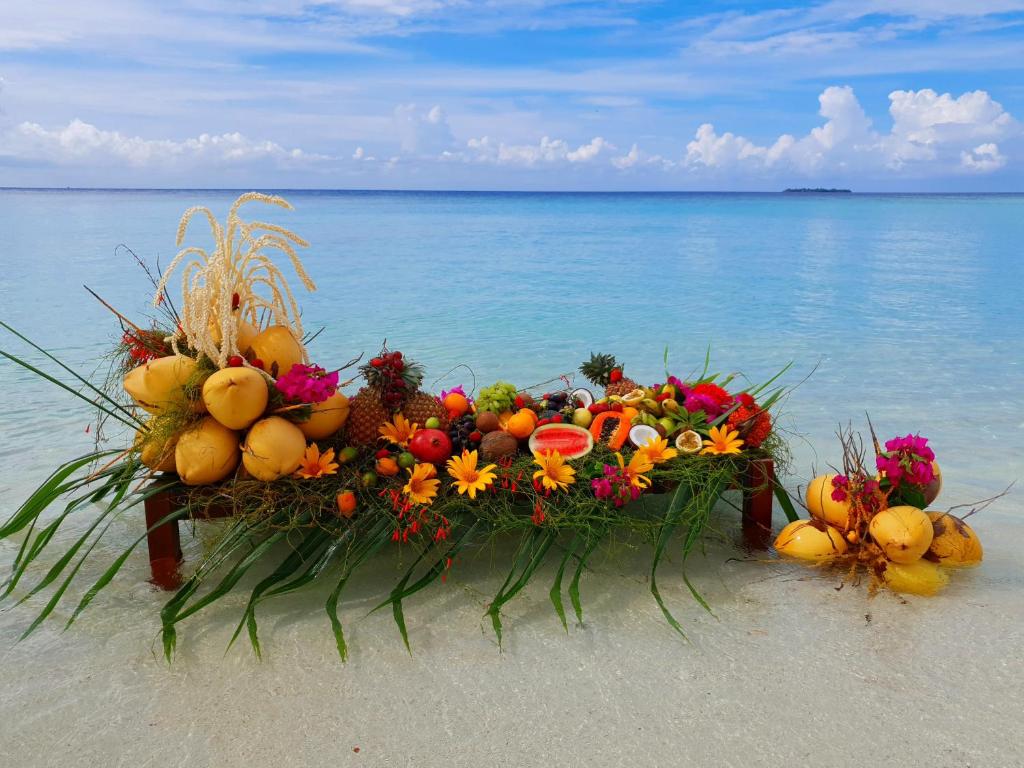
column 753, row 424
column 715, row 392
column 538, row 514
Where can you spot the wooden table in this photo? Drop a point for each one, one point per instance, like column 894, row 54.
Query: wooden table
column 165, row 543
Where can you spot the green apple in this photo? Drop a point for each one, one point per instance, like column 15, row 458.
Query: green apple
column 347, row 454
column 432, row 423
column 369, row 479
column 406, row 460
column 582, row 417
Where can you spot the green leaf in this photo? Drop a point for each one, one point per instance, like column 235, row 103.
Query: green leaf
column 556, row 589
column 784, row 501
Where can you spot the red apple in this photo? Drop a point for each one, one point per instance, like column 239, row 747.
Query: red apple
column 430, row 445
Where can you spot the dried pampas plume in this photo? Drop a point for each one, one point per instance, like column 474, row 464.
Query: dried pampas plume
column 238, row 265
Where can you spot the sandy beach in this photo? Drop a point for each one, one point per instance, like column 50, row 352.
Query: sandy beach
column 790, row 670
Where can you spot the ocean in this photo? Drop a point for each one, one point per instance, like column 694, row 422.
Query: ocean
column 904, row 307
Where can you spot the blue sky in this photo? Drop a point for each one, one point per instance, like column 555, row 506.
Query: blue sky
column 501, row 94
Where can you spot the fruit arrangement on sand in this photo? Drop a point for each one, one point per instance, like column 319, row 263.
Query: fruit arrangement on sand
column 878, row 519
column 220, row 404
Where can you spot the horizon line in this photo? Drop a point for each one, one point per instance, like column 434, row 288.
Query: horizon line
column 789, row 191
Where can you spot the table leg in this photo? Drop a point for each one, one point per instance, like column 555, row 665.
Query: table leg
column 164, row 543
column 757, row 504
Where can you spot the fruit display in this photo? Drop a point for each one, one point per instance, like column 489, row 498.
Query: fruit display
column 875, row 518
column 226, row 414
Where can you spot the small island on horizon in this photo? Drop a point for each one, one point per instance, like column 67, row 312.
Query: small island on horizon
column 817, row 191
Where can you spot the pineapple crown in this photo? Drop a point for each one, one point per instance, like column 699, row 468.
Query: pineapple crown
column 599, row 369
column 392, row 377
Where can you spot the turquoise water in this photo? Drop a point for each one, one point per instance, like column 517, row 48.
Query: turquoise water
column 904, row 306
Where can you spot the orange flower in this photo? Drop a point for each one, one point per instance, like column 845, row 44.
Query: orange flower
column 469, row 479
column 634, row 471
column 722, row 440
column 657, row 451
column 422, row 485
column 314, row 464
column 399, row 431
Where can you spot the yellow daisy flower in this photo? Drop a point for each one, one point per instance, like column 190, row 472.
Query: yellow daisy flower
column 638, row 465
column 422, row 485
column 469, row 479
column 657, row 450
column 554, row 474
column 722, row 440
column 399, row 430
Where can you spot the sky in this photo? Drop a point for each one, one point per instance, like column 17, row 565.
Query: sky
column 875, row 95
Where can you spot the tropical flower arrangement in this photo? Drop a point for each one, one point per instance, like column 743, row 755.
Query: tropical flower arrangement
column 221, row 410
column 875, row 518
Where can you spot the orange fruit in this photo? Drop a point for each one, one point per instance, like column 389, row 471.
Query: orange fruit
column 456, row 403
column 387, row 467
column 522, row 424
column 346, row 504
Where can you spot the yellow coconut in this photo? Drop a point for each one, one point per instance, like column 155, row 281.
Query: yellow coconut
column 918, row 578
column 247, row 332
column 277, row 346
column 822, row 506
column 236, row 397
column 160, row 383
column 903, row 533
column 206, row 453
column 327, row 418
column 158, row 455
column 274, row 448
column 955, row 544
column 810, row 540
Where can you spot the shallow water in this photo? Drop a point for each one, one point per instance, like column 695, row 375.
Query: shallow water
column 904, row 306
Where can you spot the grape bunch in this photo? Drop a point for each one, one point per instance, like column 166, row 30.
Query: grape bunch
column 464, row 434
column 496, row 398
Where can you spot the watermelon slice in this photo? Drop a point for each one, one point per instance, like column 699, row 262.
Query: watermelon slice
column 570, row 441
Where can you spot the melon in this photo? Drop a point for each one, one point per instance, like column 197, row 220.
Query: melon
column 160, row 383
column 273, row 448
column 276, row 346
column 206, row 453
column 236, row 397
column 327, row 417
column 570, row 441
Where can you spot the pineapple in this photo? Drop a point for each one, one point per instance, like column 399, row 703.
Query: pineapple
column 392, row 386
column 605, row 372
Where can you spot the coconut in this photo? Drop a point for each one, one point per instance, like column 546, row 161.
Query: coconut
column 274, row 448
column 160, row 383
column 276, row 346
column 497, row 445
column 932, row 490
column 327, row 418
column 206, row 453
column 156, row 454
column 903, row 533
column 822, row 506
column 247, row 332
column 917, row 578
column 487, row 421
column 954, row 544
column 236, row 397
column 810, row 540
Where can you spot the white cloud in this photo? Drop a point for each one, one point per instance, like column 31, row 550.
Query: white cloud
column 548, row 151
column 637, row 158
column 82, row 143
column 983, row 158
column 423, row 132
column 927, row 128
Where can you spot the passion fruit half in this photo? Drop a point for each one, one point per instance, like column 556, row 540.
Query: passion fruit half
column 689, row 442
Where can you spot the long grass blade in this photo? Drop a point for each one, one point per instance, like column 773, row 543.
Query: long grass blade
column 574, row 586
column 540, row 543
column 368, row 545
column 785, row 501
column 680, row 500
column 556, row 589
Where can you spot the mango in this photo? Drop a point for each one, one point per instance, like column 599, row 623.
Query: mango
column 327, row 418
column 160, row 383
column 273, row 448
column 236, row 397
column 277, row 346
column 207, row 453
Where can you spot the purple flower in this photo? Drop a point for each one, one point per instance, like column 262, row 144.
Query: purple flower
column 697, row 402
column 307, row 384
